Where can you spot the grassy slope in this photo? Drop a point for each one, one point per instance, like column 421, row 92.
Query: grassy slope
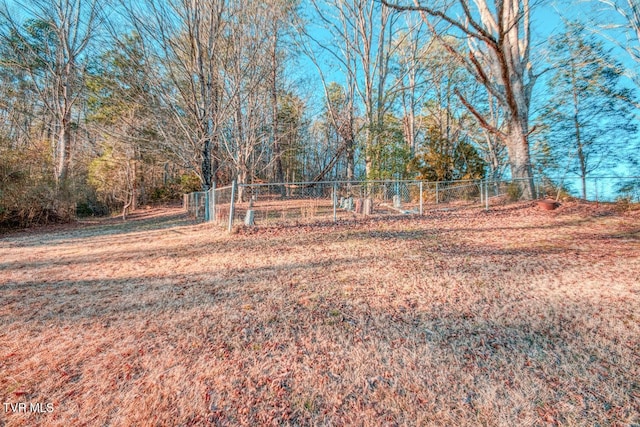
column 511, row 317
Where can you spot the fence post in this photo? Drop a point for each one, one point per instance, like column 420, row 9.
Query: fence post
column 334, row 196
column 185, row 202
column 206, row 206
column 437, row 189
column 197, row 203
column 232, row 206
column 481, row 192
column 421, row 201
column 212, row 201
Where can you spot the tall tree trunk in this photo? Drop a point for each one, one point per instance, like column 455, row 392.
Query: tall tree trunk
column 519, row 157
column 578, row 133
column 63, row 151
column 134, row 185
column 215, row 163
column 351, row 165
column 215, row 141
column 206, row 164
column 243, row 178
column 408, row 127
column 583, row 169
column 499, row 59
column 277, row 152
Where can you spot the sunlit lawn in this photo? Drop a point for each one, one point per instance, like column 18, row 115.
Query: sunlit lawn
column 510, row 317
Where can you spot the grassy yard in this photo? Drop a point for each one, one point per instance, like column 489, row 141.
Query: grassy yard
column 513, row 317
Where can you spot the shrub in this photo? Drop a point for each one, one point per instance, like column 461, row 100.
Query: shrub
column 514, row 191
column 28, row 194
column 189, row 182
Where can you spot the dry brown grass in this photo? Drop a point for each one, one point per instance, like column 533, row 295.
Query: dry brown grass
column 509, row 317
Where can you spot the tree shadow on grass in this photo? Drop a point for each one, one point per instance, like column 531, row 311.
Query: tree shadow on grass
column 60, row 300
column 557, row 359
column 172, row 218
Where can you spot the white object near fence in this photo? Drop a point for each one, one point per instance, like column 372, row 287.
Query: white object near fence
column 367, row 207
column 249, row 216
column 348, row 204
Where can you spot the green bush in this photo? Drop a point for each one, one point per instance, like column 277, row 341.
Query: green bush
column 165, row 193
column 514, row 191
column 189, row 182
column 91, row 207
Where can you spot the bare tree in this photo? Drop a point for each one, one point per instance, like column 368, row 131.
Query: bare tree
column 629, row 12
column 588, row 116
column 411, row 58
column 248, row 67
column 340, row 118
column 339, row 101
column 628, row 26
column 279, row 16
column 492, row 146
column 499, row 57
column 48, row 45
column 362, row 44
column 185, row 38
column 19, row 107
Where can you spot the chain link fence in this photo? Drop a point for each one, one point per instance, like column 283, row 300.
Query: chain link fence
column 306, row 202
column 606, row 189
column 194, row 203
column 214, row 205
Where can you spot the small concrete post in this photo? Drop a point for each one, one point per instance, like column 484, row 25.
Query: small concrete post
column 397, row 203
column 348, row 203
column 437, row 195
column 249, row 216
column 367, row 208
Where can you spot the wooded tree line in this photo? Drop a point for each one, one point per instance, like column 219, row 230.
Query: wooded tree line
column 108, row 105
